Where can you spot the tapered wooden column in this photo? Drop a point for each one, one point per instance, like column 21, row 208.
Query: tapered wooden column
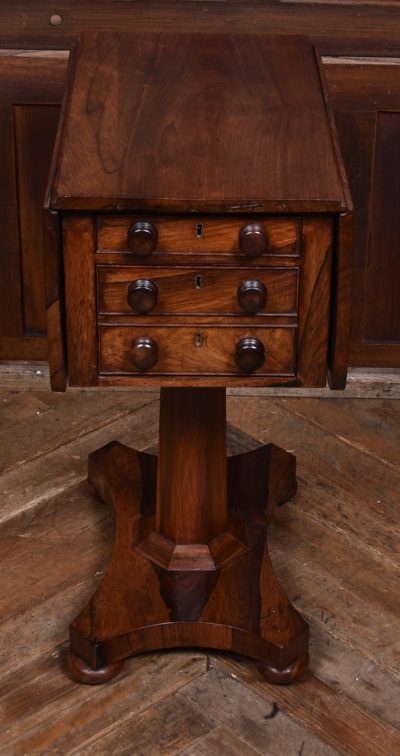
column 191, row 528
column 192, row 478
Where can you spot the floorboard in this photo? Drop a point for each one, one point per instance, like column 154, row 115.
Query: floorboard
column 335, row 548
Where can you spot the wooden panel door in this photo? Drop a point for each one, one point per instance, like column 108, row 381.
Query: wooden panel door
column 31, row 88
column 366, row 100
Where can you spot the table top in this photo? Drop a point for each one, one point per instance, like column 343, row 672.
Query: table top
column 196, row 122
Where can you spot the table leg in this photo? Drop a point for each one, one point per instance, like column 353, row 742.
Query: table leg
column 190, row 565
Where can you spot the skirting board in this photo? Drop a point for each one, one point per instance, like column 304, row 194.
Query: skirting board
column 363, row 383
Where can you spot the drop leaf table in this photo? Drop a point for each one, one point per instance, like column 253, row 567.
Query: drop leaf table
column 202, row 208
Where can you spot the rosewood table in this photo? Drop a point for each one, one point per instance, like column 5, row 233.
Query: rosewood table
column 204, row 218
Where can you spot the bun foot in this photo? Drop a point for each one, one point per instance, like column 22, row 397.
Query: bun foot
column 84, row 673
column 285, row 676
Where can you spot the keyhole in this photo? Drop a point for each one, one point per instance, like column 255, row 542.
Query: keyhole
column 198, row 340
column 199, row 230
column 198, row 281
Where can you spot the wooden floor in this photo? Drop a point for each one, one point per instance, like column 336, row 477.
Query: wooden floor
column 335, row 548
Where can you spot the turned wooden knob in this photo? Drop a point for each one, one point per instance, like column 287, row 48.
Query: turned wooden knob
column 142, row 238
column 249, row 354
column 144, row 353
column 252, row 296
column 253, row 240
column 142, row 295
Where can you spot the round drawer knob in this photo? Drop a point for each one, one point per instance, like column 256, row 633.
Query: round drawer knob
column 144, row 353
column 142, row 238
column 253, row 240
column 142, row 295
column 249, row 354
column 252, row 296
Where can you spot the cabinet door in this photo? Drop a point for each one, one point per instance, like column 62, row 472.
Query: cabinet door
column 31, row 88
column 365, row 96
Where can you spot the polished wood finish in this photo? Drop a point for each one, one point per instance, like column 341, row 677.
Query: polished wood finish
column 142, row 238
column 196, row 700
column 216, row 237
column 342, row 262
column 200, row 338
column 192, row 458
column 314, row 301
column 197, row 350
column 80, row 288
column 83, row 672
column 209, row 141
column 252, row 296
column 142, row 295
column 342, row 274
column 55, row 305
column 190, row 564
column 253, row 240
column 143, row 353
column 204, row 290
column 198, row 549
column 249, row 354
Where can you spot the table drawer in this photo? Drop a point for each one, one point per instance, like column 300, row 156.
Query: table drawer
column 193, row 350
column 196, row 290
column 200, row 235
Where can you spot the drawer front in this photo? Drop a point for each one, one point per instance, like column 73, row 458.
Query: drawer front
column 196, row 290
column 200, row 235
column 192, row 350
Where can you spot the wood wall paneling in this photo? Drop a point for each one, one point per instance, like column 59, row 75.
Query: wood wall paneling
column 366, row 100
column 30, row 93
column 10, row 277
column 34, row 130
column 382, row 279
column 365, row 95
column 338, row 28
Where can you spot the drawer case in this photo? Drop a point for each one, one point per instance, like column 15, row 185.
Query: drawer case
column 201, row 290
column 198, row 185
column 200, row 235
column 198, row 307
column 190, row 350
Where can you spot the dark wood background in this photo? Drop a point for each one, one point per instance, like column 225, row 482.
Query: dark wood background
column 364, row 93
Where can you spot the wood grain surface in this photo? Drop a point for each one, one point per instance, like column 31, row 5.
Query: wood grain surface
column 55, row 300
column 199, row 117
column 201, row 290
column 56, row 541
column 197, row 349
column 201, row 235
column 203, row 343
column 366, row 101
column 190, row 565
column 29, row 99
column 336, row 27
column 80, row 305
